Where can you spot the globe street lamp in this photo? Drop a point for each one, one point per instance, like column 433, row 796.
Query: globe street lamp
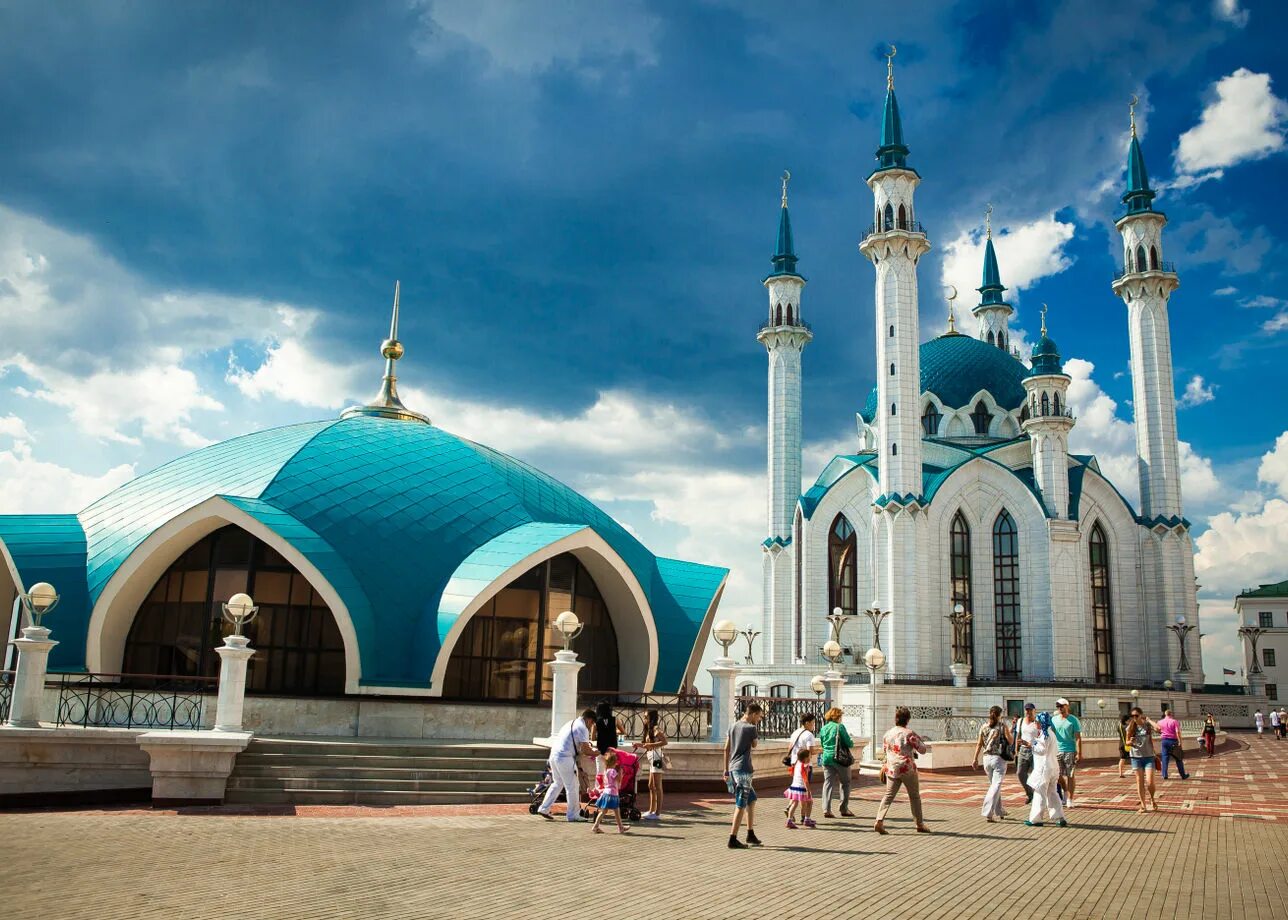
column 874, row 658
column 838, row 618
column 569, row 627
column 960, row 619
column 27, row 693
column 726, row 634
column 723, row 671
column 750, row 634
column 818, row 686
column 876, row 617
column 240, row 610
column 40, row 600
column 1181, row 630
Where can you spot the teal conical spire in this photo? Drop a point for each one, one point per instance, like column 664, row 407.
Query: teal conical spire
column 1139, row 194
column 785, row 251
column 992, row 288
column 893, row 153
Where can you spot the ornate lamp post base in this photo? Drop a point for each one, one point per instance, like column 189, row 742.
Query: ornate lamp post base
column 961, row 674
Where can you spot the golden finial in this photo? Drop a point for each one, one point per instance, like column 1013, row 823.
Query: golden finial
column 1044, row 312
column 1135, row 101
column 387, row 404
column 988, row 221
column 787, row 177
column 890, row 67
column 952, row 320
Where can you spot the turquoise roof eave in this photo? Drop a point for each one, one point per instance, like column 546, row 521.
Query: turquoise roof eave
column 51, row 548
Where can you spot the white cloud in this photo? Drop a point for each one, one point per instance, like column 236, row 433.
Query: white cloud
column 31, row 486
column 1243, row 121
column 292, row 373
column 1197, row 392
column 155, row 401
column 1260, row 301
column 1225, row 291
column 1026, row 253
column 13, row 427
column 1112, row 440
column 1242, row 550
column 1276, row 323
column 1229, row 11
column 1273, row 470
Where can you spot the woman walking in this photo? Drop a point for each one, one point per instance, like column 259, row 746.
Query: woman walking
column 995, row 739
column 651, row 743
column 1140, row 736
column 837, row 758
column 1045, row 778
column 901, row 745
column 1209, row 735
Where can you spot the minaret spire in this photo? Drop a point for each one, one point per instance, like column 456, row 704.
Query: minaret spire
column 893, row 153
column 387, row 404
column 992, row 312
column 785, row 251
column 1139, row 195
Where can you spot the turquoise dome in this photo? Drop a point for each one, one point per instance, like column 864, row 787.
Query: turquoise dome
column 955, row 367
column 397, row 516
column 1046, row 358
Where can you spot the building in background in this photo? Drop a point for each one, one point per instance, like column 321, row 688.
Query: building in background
column 1266, row 608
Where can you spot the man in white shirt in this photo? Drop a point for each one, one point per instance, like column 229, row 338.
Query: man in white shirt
column 573, row 740
column 1260, row 721
column 804, row 738
column 1274, row 723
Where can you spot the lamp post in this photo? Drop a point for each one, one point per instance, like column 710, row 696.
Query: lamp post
column 1181, row 630
column 874, row 658
column 1256, row 678
column 234, row 659
column 33, row 657
column 960, row 618
column 817, row 686
column 723, row 671
column 833, row 677
column 750, row 634
column 876, row 616
column 564, row 670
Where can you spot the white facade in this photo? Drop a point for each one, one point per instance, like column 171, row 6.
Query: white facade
column 961, row 490
column 1266, row 608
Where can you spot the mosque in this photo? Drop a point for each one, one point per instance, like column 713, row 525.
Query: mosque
column 961, row 497
column 386, row 557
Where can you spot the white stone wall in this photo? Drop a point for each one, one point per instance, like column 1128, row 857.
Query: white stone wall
column 994, row 319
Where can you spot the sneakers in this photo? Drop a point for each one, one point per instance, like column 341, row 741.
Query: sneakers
column 650, row 816
column 791, row 825
column 1028, row 823
column 1063, row 823
column 810, row 822
column 736, row 844
column 847, row 814
column 752, row 839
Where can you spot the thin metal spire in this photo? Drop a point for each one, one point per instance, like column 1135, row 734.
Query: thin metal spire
column 393, row 325
column 988, row 221
column 1044, row 313
column 787, row 177
column 387, row 404
column 952, row 320
column 1135, row 101
column 890, row 67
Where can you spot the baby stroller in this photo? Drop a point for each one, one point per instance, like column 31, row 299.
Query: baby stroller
column 628, row 768
column 537, row 793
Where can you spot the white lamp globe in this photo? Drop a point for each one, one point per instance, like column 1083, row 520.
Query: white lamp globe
column 817, row 684
column 1100, row 703
column 874, row 658
column 831, row 649
column 1167, row 685
column 725, row 632
column 567, row 624
column 240, row 606
column 42, row 596
column 837, row 611
column 1180, row 619
column 1135, row 693
column 958, row 608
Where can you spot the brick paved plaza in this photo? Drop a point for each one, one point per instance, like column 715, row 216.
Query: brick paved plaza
column 500, row 862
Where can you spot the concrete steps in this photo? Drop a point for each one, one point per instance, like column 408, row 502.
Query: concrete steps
column 352, row 771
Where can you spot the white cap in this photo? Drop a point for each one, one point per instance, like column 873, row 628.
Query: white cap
column 1063, row 702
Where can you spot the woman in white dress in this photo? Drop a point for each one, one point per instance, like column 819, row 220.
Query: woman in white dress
column 1045, row 778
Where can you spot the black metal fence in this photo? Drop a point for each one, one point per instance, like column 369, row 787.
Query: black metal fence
column 681, row 717
column 132, row 700
column 782, row 714
column 6, row 693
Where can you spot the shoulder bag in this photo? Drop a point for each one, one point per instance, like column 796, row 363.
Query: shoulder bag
column 843, row 756
column 787, row 760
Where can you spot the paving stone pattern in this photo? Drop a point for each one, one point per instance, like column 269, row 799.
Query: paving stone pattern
column 489, row 861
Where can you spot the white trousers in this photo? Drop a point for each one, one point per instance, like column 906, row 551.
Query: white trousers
column 1046, row 802
column 995, row 767
column 563, row 776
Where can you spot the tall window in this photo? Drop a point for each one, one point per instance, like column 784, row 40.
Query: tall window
column 1006, row 594
column 991, row 340
column 889, row 218
column 789, row 314
column 778, row 315
column 1266, row 619
column 981, row 417
column 930, row 420
column 298, row 649
column 959, row 554
column 1153, row 258
column 1140, row 258
column 1101, row 605
column 843, row 566
column 903, row 218
column 1046, row 404
column 1268, row 657
column 502, row 651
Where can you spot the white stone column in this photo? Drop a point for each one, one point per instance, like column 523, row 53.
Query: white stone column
column 563, row 698
column 29, row 681
column 234, row 656
column 961, row 674
column 723, row 671
column 835, row 680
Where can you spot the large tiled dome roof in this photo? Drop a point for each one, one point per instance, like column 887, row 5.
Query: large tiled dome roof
column 955, row 367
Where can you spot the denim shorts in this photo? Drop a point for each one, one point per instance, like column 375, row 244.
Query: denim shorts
column 740, row 788
column 1140, row 763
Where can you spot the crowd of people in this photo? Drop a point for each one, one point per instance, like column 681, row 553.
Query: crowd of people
column 1278, row 722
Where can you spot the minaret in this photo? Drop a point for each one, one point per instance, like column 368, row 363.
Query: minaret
column 784, row 335
column 992, row 312
column 894, row 244
column 387, row 404
column 1048, row 424
column 1145, row 285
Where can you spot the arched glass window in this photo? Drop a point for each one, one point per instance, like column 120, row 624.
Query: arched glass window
column 789, row 314
column 892, row 370
column 1006, row 594
column 1024, row 414
column 991, row 340
column 298, row 649
column 501, row 654
column 1001, row 340
column 747, row 690
column 1055, row 399
column 778, row 315
column 1101, row 604
column 930, row 420
column 959, row 556
column 894, row 449
column 781, row 691
column 903, row 218
column 893, row 409
column 1153, row 258
column 889, row 217
column 843, row 567
column 1140, row 258
column 892, row 332
column 981, row 417
column 1046, row 404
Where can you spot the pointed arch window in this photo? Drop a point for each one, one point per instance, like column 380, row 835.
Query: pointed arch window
column 893, row 409
column 789, row 314
column 843, row 567
column 889, row 217
column 903, row 218
column 1006, row 594
column 981, row 417
column 1101, row 604
column 1024, row 414
column 930, row 420
column 991, row 340
column 778, row 315
column 1001, row 340
column 1153, row 258
column 1140, row 258
column 1046, row 404
column 1055, row 400
column 959, row 556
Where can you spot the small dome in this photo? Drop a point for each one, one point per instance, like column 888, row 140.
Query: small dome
column 1046, row 358
column 955, row 367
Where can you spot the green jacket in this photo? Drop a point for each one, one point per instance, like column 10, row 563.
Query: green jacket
column 828, row 736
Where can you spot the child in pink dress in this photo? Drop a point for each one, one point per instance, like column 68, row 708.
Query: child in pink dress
column 798, row 793
column 610, row 797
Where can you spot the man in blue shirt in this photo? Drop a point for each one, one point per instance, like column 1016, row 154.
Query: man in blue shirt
column 573, row 740
column 1068, row 735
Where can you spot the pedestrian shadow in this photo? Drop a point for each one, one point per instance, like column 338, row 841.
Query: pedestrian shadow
column 1117, row 828
column 798, row 849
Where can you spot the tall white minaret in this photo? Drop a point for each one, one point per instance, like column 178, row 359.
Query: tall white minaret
column 784, row 335
column 894, row 244
column 1145, row 285
column 992, row 312
column 1048, row 424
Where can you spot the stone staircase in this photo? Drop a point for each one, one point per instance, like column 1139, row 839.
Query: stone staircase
column 362, row 771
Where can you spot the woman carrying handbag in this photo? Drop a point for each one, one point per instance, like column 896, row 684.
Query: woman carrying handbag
column 837, row 759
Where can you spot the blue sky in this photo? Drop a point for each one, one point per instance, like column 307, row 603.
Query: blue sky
column 203, row 208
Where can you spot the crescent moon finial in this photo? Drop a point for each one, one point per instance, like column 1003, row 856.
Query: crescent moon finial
column 952, row 319
column 1135, row 101
column 890, row 66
